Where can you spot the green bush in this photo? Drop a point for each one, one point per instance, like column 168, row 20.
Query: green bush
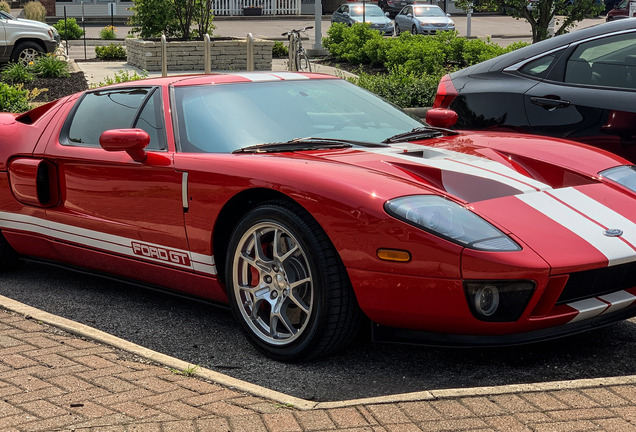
column 279, row 50
column 120, row 77
column 13, row 99
column 415, row 63
column 108, row 33
column 184, row 19
column 69, row 29
column 110, row 52
column 4, row 6
column 15, row 73
column 34, row 10
column 48, row 66
column 401, row 86
column 347, row 42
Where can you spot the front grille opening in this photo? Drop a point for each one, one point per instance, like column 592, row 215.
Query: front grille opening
column 593, row 283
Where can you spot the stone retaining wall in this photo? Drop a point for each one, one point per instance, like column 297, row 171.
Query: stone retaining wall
column 225, row 55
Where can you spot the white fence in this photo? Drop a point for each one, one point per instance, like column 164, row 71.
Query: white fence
column 268, row 7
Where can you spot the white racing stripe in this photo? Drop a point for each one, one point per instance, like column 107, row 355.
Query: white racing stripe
column 592, row 307
column 108, row 242
column 447, row 160
column 597, row 211
column 615, row 249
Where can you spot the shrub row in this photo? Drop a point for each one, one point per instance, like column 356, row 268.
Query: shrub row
column 413, row 63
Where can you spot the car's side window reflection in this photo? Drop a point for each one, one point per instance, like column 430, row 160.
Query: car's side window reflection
column 122, row 108
column 607, row 62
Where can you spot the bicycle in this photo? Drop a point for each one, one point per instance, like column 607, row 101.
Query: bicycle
column 298, row 59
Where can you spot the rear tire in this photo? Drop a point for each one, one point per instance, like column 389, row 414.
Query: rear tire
column 26, row 52
column 286, row 284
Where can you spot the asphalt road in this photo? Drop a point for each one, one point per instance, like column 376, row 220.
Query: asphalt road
column 207, row 336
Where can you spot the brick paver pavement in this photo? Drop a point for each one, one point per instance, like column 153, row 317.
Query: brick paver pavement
column 53, row 381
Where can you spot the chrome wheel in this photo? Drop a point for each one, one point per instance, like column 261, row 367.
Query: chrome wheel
column 273, row 283
column 26, row 52
column 287, row 286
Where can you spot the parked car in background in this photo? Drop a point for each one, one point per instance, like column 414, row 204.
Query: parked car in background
column 620, row 11
column 580, row 86
column 392, row 7
column 23, row 40
column 423, row 19
column 351, row 13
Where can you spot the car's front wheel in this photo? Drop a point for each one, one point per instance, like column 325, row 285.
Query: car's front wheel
column 287, row 286
column 397, row 29
column 414, row 29
column 26, row 52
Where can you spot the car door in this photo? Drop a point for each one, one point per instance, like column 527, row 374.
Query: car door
column 589, row 95
column 110, row 203
column 402, row 20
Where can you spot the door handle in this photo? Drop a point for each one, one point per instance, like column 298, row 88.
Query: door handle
column 549, row 103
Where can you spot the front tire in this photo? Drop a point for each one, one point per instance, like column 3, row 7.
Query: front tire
column 26, row 52
column 287, row 286
column 414, row 29
column 397, row 29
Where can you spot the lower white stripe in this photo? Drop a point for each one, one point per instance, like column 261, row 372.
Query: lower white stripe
column 616, row 250
column 618, row 300
column 100, row 240
column 588, row 308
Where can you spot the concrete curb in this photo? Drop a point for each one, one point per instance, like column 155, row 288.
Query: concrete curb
column 300, row 404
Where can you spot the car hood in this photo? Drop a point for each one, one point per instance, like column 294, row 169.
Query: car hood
column 434, row 20
column 545, row 195
column 372, row 19
column 25, row 23
column 483, row 166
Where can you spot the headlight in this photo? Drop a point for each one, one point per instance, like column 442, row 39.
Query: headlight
column 451, row 221
column 624, row 175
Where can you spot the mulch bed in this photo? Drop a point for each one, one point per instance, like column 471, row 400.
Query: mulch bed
column 58, row 87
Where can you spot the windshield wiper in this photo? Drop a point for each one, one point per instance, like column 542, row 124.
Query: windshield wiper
column 301, row 144
column 422, row 132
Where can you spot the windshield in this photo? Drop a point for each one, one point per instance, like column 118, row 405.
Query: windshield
column 4, row 15
column 224, row 118
column 370, row 11
column 429, row 12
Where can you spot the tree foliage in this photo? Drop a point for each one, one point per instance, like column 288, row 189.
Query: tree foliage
column 174, row 18
column 540, row 13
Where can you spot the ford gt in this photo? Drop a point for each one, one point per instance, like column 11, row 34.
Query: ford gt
column 310, row 206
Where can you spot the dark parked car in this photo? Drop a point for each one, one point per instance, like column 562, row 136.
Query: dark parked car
column 392, row 7
column 580, row 86
column 619, row 11
column 351, row 13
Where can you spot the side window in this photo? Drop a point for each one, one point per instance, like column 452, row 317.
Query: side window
column 102, row 110
column 151, row 120
column 539, row 68
column 606, row 62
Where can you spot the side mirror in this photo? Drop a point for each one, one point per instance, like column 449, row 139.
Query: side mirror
column 448, row 15
column 441, row 117
column 132, row 141
column 386, row 14
column 410, row 15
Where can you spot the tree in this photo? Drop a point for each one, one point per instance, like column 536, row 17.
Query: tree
column 539, row 13
column 174, row 18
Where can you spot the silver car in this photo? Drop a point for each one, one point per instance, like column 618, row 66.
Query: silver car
column 423, row 19
column 350, row 13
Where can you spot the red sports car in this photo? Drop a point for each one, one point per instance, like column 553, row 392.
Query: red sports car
column 307, row 204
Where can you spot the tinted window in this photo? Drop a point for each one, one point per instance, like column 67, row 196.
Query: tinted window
column 540, row 67
column 99, row 111
column 607, row 62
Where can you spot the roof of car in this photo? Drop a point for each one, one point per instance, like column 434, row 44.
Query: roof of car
column 226, row 78
column 553, row 43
